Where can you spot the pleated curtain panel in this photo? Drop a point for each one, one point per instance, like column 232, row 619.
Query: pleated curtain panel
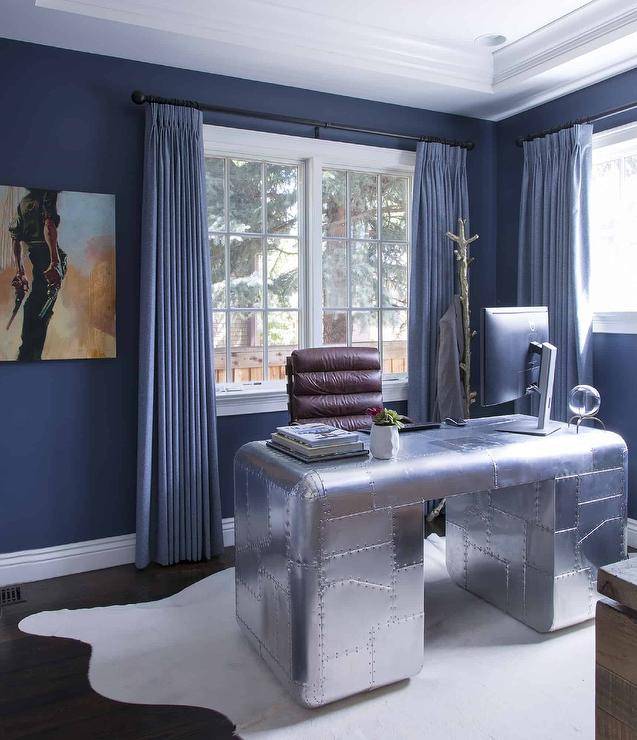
column 440, row 197
column 178, row 501
column 554, row 250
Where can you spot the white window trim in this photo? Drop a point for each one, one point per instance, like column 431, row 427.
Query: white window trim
column 271, row 396
column 615, row 322
column 616, row 135
column 314, row 155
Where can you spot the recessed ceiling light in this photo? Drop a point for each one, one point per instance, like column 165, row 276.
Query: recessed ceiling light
column 490, row 39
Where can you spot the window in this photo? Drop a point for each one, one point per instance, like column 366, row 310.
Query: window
column 309, row 244
column 613, row 232
column 364, row 263
column 254, row 232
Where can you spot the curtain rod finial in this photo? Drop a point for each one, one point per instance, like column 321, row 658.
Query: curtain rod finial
column 138, row 97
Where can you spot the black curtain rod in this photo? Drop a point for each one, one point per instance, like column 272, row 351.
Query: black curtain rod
column 586, row 119
column 140, row 98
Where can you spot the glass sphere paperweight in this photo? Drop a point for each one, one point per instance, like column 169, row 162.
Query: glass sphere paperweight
column 584, row 402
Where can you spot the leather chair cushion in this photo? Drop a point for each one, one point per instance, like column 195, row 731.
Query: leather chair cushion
column 335, row 383
column 335, row 358
column 336, row 405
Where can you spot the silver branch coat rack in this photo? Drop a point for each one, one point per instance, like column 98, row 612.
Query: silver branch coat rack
column 463, row 261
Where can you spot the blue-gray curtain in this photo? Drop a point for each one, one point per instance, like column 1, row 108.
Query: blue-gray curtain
column 554, row 250
column 178, row 502
column 440, row 197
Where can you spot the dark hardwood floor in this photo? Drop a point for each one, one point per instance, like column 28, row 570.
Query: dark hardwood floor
column 44, row 688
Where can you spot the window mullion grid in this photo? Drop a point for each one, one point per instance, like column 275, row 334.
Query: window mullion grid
column 226, row 255
column 379, row 321
column 264, row 256
column 410, row 197
column 348, row 258
column 310, row 261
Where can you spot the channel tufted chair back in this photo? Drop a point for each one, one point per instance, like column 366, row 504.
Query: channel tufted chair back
column 334, row 385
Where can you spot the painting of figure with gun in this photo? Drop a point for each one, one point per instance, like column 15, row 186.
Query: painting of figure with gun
column 57, row 274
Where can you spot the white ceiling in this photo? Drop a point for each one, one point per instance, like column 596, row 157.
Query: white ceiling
column 411, row 52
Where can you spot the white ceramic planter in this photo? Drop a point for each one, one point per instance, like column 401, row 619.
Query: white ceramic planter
column 384, row 441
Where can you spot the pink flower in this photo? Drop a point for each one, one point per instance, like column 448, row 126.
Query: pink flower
column 374, row 411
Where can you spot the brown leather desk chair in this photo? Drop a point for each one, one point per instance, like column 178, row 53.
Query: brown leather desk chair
column 334, row 385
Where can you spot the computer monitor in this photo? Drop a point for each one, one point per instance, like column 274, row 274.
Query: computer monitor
column 517, row 360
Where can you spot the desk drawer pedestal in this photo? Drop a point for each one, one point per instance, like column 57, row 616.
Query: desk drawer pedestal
column 533, row 550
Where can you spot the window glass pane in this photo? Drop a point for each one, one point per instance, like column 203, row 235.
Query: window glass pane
column 365, row 328
column 246, row 345
column 283, row 337
column 394, row 341
column 219, row 344
column 394, row 271
column 335, row 274
column 244, row 196
column 246, row 272
column 630, row 190
column 364, row 272
column 335, row 327
column 283, row 273
column 334, row 198
column 281, row 184
column 215, row 189
column 218, row 271
column 624, row 284
column 363, row 205
column 608, row 237
column 394, row 207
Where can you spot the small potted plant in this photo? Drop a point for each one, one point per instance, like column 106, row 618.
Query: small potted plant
column 384, row 441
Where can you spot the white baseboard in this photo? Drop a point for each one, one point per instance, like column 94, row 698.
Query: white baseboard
column 77, row 557
column 632, row 532
column 62, row 560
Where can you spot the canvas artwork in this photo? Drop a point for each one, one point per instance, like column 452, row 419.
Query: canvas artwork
column 57, row 274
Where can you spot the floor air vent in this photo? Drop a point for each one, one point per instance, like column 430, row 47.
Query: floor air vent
column 10, row 595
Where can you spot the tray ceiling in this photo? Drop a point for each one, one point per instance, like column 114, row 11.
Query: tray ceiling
column 408, row 52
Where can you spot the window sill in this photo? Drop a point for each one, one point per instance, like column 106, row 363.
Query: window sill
column 615, row 322
column 268, row 398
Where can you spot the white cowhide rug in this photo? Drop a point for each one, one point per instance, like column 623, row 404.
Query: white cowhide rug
column 485, row 675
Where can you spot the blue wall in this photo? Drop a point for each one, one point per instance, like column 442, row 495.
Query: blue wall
column 615, row 355
column 68, row 440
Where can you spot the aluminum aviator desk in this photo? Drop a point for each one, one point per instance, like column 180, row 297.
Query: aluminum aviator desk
column 329, row 571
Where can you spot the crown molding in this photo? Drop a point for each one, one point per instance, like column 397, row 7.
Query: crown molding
column 567, row 38
column 277, row 42
column 261, row 24
column 523, row 101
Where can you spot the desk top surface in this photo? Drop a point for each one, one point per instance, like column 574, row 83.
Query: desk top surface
column 450, row 460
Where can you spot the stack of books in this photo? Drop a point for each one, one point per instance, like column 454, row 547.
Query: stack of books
column 315, row 442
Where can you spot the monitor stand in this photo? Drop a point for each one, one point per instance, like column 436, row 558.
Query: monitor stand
column 543, row 425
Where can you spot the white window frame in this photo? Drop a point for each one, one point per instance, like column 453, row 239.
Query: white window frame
column 312, row 156
column 615, row 322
